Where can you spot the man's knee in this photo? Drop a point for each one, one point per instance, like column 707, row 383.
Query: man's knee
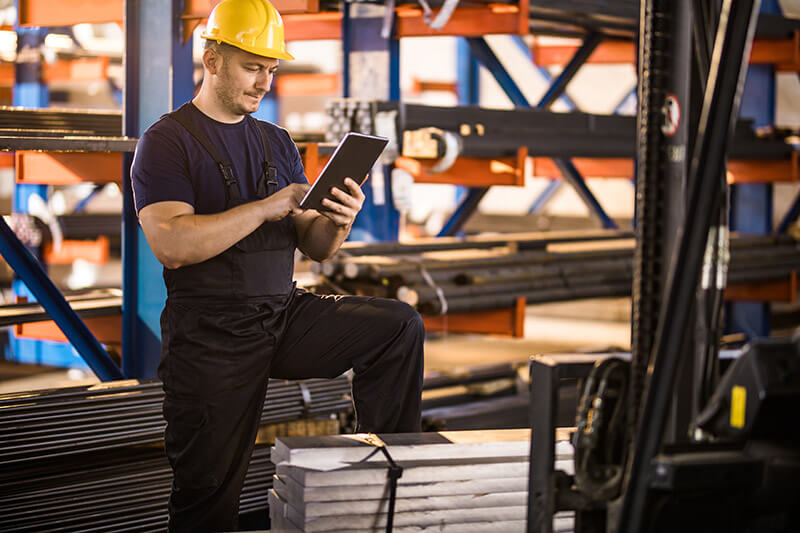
column 408, row 319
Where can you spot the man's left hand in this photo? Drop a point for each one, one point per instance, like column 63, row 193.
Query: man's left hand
column 346, row 206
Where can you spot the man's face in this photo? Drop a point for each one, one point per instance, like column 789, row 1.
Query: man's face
column 243, row 80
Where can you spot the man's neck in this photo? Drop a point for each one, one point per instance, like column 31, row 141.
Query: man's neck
column 209, row 106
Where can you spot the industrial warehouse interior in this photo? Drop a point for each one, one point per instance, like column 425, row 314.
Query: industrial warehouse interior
column 564, row 299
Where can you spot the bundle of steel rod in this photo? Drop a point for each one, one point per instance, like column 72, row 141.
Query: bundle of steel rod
column 18, row 121
column 618, row 19
column 521, row 241
column 481, row 279
column 486, row 397
column 33, row 231
column 577, row 17
column 126, row 490
column 63, row 422
column 96, row 302
column 499, row 133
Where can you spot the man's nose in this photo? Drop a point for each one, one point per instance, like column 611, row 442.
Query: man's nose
column 263, row 81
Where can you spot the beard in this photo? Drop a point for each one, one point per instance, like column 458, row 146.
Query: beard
column 234, row 100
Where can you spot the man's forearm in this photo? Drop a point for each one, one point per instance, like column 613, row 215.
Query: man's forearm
column 189, row 239
column 323, row 238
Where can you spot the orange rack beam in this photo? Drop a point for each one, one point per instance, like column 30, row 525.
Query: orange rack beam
column 96, row 251
column 783, row 53
column 59, row 13
column 67, row 168
column 739, row 170
column 196, row 11
column 782, row 290
column 507, row 322
column 471, row 171
column 418, row 86
column 84, row 69
column 467, row 21
column 106, row 329
column 308, row 84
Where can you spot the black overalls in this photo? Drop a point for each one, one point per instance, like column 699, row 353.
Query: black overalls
column 234, row 321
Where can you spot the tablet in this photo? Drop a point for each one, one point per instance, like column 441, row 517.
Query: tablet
column 354, row 157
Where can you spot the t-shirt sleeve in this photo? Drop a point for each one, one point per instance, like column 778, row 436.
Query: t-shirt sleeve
column 160, row 171
column 297, row 172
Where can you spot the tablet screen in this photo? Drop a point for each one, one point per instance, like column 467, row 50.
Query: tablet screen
column 353, row 158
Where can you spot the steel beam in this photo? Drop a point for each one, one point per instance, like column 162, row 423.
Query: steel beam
column 545, row 196
column 559, row 85
column 468, row 205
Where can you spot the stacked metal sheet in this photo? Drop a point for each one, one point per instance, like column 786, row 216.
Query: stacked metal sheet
column 451, row 481
column 91, row 458
column 121, row 491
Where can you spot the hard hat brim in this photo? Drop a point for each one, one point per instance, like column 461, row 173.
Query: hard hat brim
column 273, row 54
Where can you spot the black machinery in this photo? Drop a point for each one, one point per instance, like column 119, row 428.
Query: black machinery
column 664, row 440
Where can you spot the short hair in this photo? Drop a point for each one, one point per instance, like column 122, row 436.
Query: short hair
column 219, row 47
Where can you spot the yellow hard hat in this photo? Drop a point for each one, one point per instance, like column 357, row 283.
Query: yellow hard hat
column 254, row 26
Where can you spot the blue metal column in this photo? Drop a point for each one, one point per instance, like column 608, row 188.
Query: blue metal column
column 751, row 204
column 371, row 71
column 158, row 78
column 467, row 74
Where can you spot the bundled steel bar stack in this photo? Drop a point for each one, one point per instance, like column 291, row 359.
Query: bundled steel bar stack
column 91, row 458
column 465, row 481
column 499, row 133
column 475, row 279
column 59, row 122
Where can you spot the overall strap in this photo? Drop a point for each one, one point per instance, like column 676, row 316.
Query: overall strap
column 268, row 182
column 232, row 194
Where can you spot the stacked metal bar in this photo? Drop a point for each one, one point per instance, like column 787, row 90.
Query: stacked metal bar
column 62, row 130
column 91, row 458
column 59, row 122
column 618, row 19
column 455, row 481
column 481, row 279
column 498, row 133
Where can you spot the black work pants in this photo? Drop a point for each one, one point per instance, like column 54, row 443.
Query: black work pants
column 216, row 360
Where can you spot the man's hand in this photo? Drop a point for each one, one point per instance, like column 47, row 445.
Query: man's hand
column 343, row 211
column 285, row 202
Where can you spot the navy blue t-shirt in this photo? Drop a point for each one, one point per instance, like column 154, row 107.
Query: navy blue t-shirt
column 171, row 165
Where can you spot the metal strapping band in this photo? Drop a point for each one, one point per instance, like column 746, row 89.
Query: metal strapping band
column 439, row 292
column 306, row 394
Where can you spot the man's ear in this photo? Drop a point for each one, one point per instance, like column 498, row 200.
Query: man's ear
column 212, row 60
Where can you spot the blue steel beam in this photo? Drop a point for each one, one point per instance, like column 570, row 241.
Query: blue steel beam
column 80, row 206
column 486, row 56
column 484, row 53
column 543, row 72
column 545, row 196
column 790, row 217
column 573, row 177
column 467, row 206
column 559, row 85
column 48, row 295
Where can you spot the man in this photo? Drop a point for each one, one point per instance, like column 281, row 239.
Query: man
column 218, row 194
